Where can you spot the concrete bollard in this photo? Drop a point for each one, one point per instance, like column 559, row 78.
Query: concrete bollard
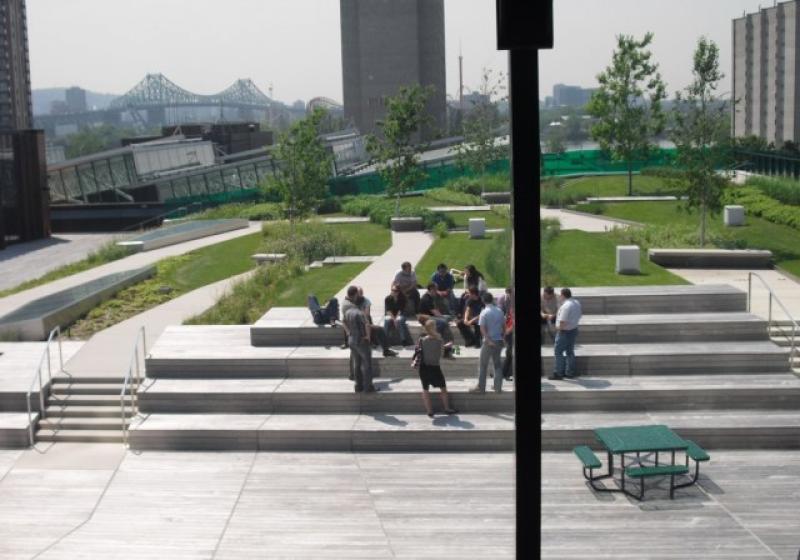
column 477, row 228
column 734, row 216
column 628, row 259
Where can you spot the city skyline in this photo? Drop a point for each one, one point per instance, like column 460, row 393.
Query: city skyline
column 205, row 60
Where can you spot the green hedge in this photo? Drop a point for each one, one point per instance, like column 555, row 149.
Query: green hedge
column 490, row 182
column 756, row 203
column 306, row 242
column 381, row 210
column 447, row 196
column 782, row 190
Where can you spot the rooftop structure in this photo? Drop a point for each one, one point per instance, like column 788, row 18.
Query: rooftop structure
column 16, row 111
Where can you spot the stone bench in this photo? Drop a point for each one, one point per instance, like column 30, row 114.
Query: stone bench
column 711, row 258
column 496, row 197
column 268, row 258
column 407, row 224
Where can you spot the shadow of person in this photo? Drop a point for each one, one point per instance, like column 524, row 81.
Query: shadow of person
column 453, row 421
column 384, row 385
column 591, row 383
column 389, row 420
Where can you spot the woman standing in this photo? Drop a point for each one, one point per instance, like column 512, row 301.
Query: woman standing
column 427, row 357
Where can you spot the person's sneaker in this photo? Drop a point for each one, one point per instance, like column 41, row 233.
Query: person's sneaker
column 388, row 353
column 571, row 376
column 344, row 346
column 371, row 389
column 352, row 377
column 509, row 378
column 500, row 390
column 555, row 377
column 476, row 389
column 359, row 390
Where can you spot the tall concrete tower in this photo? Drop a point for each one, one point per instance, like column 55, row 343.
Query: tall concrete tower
column 16, row 111
column 387, row 44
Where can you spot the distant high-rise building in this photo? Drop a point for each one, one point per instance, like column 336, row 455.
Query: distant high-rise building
column 571, row 96
column 766, row 74
column 16, row 111
column 387, row 44
column 75, row 98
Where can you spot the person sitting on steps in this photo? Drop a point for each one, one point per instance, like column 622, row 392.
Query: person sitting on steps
column 444, row 331
column 377, row 334
column 468, row 324
column 322, row 316
column 395, row 306
column 406, row 280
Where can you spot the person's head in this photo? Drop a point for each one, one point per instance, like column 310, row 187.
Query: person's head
column 510, row 291
column 406, row 267
column 474, row 293
column 430, row 329
column 422, row 319
column 487, row 298
column 359, row 301
column 470, row 270
column 431, row 288
column 566, row 293
column 442, row 269
column 549, row 293
column 352, row 292
column 395, row 291
column 361, row 291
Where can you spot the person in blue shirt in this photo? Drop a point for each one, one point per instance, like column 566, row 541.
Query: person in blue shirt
column 492, row 324
column 444, row 287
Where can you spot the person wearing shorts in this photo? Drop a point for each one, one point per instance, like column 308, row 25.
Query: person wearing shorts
column 428, row 354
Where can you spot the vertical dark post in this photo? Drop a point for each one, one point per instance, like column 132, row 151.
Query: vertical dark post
column 523, row 28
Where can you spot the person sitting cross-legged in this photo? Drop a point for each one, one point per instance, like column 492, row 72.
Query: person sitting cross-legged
column 468, row 324
column 395, row 306
column 427, row 356
column 444, row 288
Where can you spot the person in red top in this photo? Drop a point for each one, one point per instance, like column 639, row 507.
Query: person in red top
column 508, row 307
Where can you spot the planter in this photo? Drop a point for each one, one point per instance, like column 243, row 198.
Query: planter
column 407, row 224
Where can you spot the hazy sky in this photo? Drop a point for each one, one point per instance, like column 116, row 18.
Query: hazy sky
column 204, row 45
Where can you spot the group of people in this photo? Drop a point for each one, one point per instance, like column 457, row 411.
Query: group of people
column 483, row 322
column 560, row 318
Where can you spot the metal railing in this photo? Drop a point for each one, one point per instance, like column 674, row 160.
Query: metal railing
column 133, row 377
column 55, row 333
column 779, row 326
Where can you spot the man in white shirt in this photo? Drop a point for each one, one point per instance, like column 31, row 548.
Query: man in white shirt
column 567, row 319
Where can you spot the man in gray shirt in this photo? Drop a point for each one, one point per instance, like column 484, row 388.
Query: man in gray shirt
column 360, row 348
column 492, row 323
column 567, row 319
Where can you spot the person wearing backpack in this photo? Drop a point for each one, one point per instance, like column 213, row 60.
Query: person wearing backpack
column 427, row 357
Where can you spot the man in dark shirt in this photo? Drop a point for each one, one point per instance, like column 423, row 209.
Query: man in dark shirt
column 394, row 306
column 468, row 324
column 360, row 348
column 444, row 287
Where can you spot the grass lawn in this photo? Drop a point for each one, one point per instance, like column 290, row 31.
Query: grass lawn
column 251, row 299
column 588, row 259
column 177, row 275
column 457, row 250
column 783, row 241
column 617, row 185
column 105, row 254
column 369, row 238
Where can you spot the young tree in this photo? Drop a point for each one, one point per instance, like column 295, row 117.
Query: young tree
column 627, row 103
column 700, row 134
column 556, row 138
column 305, row 166
column 396, row 150
column 480, row 148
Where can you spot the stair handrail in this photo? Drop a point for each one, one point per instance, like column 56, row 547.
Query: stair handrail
column 134, row 372
column 37, row 376
column 774, row 296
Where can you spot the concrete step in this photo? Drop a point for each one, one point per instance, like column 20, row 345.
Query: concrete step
column 324, row 432
column 669, row 392
column 672, row 359
column 79, row 436
column 661, row 327
column 90, row 379
column 80, row 411
column 59, row 389
column 324, row 396
column 711, row 429
column 56, row 423
column 660, row 299
column 86, row 400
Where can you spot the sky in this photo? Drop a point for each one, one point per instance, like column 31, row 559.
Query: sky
column 295, row 45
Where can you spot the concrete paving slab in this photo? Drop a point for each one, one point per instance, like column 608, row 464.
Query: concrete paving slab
column 583, row 222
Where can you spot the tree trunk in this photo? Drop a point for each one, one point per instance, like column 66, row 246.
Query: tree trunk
column 630, row 178
column 397, row 206
column 703, row 225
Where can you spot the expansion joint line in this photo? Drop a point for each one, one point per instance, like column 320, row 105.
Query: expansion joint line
column 374, row 506
column 235, row 504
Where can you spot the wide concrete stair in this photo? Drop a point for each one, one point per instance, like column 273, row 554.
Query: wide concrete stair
column 84, row 410
column 694, row 360
column 208, row 387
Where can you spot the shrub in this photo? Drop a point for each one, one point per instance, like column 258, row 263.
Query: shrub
column 490, row 182
column 664, row 172
column 671, row 237
column 447, row 196
column 553, row 197
column 308, row 242
column 786, row 191
column 381, row 210
column 757, row 203
column 330, row 205
column 498, row 261
column 440, row 230
column 592, row 207
column 549, row 229
column 265, row 211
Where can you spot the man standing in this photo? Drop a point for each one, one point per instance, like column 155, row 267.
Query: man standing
column 406, row 279
column 548, row 310
column 360, row 347
column 567, row 319
column 444, row 287
column 492, row 323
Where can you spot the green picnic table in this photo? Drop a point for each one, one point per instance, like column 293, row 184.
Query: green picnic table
column 656, row 438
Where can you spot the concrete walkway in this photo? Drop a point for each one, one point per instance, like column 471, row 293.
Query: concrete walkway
column 108, row 352
column 583, row 222
column 27, row 261
column 376, row 279
column 138, row 260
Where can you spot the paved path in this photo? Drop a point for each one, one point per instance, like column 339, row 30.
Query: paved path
column 138, row 260
column 377, row 277
column 27, row 261
column 786, row 288
column 583, row 222
column 98, row 501
column 108, row 352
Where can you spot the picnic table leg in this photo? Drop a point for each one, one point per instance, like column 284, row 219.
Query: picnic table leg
column 656, row 458
column 622, row 466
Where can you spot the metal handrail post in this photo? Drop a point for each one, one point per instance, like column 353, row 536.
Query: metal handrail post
column 30, row 418
column 749, row 290
column 41, row 393
column 60, row 351
column 769, row 320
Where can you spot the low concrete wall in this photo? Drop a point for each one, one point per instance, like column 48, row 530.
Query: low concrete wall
column 407, row 224
column 182, row 232
column 711, row 258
